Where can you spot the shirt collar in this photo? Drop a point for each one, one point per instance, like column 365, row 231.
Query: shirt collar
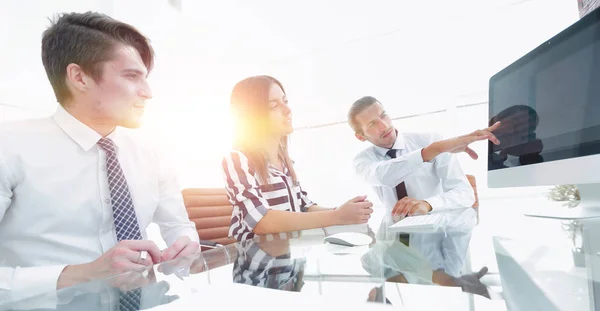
column 285, row 172
column 399, row 144
column 80, row 133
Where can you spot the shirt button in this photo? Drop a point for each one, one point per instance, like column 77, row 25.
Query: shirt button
column 106, row 201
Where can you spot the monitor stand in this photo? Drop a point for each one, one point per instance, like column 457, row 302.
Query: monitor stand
column 589, row 206
column 587, row 213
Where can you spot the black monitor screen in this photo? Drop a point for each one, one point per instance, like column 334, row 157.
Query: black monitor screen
column 548, row 101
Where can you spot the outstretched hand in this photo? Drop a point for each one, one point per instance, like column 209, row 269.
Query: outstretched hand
column 461, row 143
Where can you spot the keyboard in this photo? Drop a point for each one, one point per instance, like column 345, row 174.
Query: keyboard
column 420, row 223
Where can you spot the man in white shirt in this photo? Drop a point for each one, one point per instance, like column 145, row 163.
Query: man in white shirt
column 77, row 191
column 417, row 174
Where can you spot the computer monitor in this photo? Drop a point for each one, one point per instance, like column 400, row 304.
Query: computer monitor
column 549, row 104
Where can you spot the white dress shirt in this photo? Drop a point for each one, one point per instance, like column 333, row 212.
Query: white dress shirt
column 441, row 182
column 55, row 206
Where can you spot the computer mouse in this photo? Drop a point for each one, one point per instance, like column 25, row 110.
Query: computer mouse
column 349, row 239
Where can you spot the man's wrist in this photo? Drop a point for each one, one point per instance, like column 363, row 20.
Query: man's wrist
column 72, row 275
column 429, row 207
column 441, row 278
column 430, row 152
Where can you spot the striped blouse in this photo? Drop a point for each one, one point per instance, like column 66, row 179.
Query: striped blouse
column 251, row 198
column 253, row 266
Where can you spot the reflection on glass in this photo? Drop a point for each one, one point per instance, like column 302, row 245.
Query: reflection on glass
column 268, row 265
column 401, row 264
column 132, row 291
column 261, row 262
column 518, row 142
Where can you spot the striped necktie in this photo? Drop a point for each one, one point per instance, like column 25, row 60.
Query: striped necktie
column 125, row 219
column 126, row 223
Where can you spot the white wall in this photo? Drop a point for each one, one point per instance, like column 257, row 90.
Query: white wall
column 416, row 57
column 25, row 90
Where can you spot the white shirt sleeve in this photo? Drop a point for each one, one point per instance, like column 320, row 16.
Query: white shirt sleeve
column 458, row 193
column 21, row 282
column 171, row 215
column 387, row 172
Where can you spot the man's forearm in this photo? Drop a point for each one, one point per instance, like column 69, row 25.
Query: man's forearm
column 73, row 275
column 442, row 278
column 430, row 152
column 389, row 172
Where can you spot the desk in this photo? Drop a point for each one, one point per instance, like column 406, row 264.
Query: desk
column 538, row 268
column 278, row 272
column 539, row 276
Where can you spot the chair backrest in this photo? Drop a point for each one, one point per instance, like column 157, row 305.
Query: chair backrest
column 473, row 183
column 210, row 210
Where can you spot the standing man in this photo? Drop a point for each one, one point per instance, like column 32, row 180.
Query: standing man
column 417, row 174
column 77, row 190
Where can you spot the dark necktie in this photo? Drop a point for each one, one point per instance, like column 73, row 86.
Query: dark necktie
column 125, row 219
column 401, row 187
column 400, row 193
column 126, row 224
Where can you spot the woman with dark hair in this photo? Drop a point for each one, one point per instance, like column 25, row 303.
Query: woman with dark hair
column 261, row 182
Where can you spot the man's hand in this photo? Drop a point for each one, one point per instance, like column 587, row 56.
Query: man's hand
column 179, row 257
column 355, row 211
column 460, row 143
column 155, row 294
column 183, row 246
column 133, row 280
column 471, row 283
column 125, row 256
column 409, row 206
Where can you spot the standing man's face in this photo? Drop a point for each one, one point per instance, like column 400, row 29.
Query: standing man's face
column 376, row 126
column 119, row 95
